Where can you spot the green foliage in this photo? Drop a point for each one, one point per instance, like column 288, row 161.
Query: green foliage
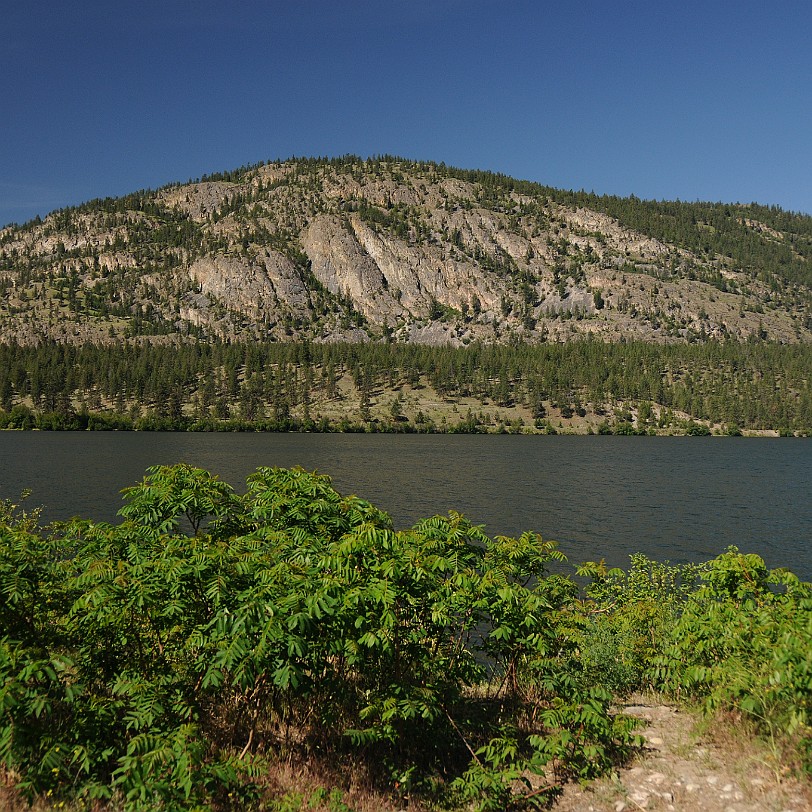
column 160, row 662
column 743, row 643
column 627, row 616
column 729, row 633
column 166, row 661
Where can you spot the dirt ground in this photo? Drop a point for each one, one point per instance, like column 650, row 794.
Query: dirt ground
column 690, row 767
column 686, row 766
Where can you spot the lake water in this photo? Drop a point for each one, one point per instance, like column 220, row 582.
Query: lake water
column 680, row 498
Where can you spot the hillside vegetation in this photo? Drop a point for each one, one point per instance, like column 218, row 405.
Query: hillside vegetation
column 584, row 386
column 355, row 250
column 391, row 295
column 187, row 656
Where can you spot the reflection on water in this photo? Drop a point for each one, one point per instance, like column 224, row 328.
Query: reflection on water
column 676, row 498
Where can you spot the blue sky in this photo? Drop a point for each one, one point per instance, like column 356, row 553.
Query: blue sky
column 691, row 100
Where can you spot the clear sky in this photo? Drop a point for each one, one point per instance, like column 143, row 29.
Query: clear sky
column 707, row 100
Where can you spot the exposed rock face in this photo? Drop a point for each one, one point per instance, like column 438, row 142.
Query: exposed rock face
column 388, row 279
column 200, row 200
column 420, row 275
column 340, row 263
column 254, row 287
column 345, row 249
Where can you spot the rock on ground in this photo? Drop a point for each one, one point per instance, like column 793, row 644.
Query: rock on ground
column 682, row 770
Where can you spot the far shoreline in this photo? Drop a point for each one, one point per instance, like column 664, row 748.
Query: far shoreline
column 102, row 423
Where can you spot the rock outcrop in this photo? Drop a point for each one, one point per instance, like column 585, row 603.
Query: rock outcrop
column 393, row 249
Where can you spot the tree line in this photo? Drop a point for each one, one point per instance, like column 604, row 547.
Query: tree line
column 756, row 385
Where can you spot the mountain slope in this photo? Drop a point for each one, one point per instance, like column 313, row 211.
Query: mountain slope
column 355, row 250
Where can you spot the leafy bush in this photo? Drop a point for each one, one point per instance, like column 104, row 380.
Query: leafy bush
column 744, row 643
column 730, row 633
column 167, row 661
column 627, row 617
column 163, row 662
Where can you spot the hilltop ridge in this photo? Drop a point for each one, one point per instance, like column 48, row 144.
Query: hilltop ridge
column 387, row 249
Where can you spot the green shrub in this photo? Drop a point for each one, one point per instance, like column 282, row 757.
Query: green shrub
column 162, row 661
column 730, row 633
column 744, row 642
column 627, row 616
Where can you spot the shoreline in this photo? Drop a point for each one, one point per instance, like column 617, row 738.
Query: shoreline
column 25, row 419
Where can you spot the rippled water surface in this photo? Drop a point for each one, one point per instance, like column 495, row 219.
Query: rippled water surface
column 682, row 499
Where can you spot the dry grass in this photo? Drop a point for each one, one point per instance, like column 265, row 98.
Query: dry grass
column 773, row 763
column 330, row 787
column 319, row 786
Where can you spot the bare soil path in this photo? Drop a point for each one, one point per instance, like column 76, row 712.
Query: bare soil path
column 687, row 769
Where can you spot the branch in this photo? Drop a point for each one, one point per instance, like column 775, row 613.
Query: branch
column 464, row 740
column 247, row 744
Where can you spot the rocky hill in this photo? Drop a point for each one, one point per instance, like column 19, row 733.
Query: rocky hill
column 356, row 250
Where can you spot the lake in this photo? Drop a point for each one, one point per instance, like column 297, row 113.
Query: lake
column 676, row 498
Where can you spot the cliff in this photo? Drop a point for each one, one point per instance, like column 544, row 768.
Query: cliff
column 348, row 249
